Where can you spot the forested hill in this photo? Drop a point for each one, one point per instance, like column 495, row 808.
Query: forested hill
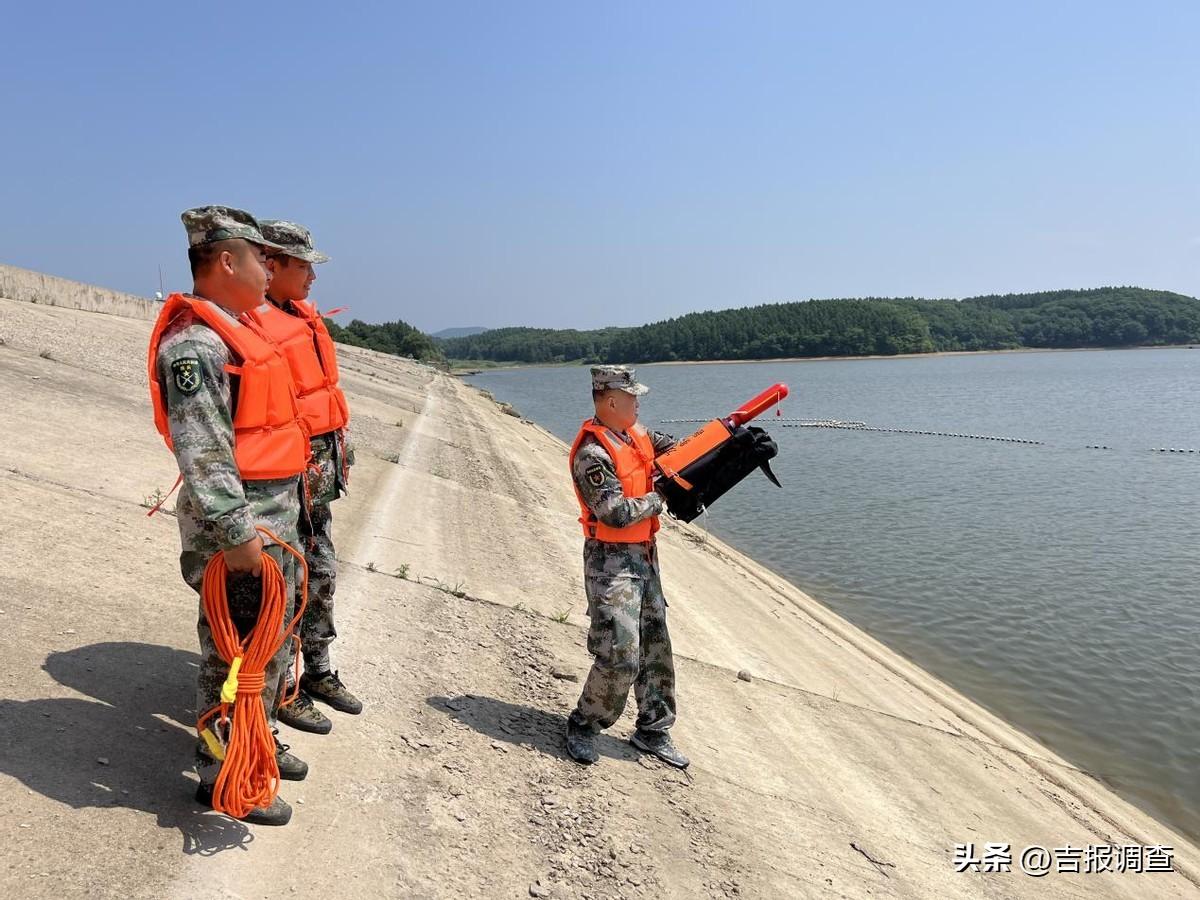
column 1101, row 317
column 398, row 338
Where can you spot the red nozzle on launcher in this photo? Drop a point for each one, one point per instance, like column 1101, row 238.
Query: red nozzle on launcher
column 716, row 433
column 706, row 464
column 760, row 404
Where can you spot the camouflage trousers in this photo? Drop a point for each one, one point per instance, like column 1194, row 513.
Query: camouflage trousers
column 629, row 643
column 316, row 629
column 244, row 593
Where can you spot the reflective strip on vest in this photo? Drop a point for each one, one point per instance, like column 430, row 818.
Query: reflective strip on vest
column 270, row 439
column 634, row 465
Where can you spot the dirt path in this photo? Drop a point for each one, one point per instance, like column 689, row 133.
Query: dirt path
column 838, row 770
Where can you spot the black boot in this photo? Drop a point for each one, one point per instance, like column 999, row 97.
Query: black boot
column 278, row 813
column 328, row 688
column 291, row 767
column 581, row 742
column 660, row 744
column 303, row 716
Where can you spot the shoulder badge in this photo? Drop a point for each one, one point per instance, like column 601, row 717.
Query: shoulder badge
column 186, row 373
column 595, row 475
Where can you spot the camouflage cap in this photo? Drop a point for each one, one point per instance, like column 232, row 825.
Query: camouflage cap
column 621, row 378
column 209, row 224
column 294, row 239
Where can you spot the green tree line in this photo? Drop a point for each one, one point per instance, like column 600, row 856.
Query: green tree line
column 397, row 338
column 1100, row 317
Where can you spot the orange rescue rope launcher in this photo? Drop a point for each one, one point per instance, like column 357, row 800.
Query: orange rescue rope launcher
column 249, row 776
column 706, row 464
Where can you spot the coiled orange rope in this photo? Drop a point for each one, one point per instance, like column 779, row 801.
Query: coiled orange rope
column 249, row 776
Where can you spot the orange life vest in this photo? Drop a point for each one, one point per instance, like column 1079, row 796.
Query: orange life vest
column 634, row 463
column 269, row 437
column 308, row 348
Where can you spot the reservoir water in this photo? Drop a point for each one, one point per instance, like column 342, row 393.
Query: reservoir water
column 1057, row 585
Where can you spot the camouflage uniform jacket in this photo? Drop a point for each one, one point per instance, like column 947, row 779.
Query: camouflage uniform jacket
column 596, row 477
column 216, row 509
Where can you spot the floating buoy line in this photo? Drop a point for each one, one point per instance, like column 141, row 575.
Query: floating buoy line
column 845, row 425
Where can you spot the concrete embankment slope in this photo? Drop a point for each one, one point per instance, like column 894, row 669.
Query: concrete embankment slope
column 50, row 290
column 840, row 770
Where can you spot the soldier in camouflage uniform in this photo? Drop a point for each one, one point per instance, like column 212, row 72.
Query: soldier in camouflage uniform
column 328, row 475
column 216, row 509
column 628, row 637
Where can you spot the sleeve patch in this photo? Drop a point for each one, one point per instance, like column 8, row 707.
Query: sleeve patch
column 186, row 374
column 595, row 475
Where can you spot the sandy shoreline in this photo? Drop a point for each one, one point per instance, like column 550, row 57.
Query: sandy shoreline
column 841, row 769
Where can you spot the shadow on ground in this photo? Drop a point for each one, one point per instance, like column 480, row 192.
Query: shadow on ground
column 126, row 748
column 516, row 723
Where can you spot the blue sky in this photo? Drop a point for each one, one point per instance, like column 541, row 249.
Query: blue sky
column 578, row 165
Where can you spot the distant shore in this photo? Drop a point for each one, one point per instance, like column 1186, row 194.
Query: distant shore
column 937, row 353
column 478, row 370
